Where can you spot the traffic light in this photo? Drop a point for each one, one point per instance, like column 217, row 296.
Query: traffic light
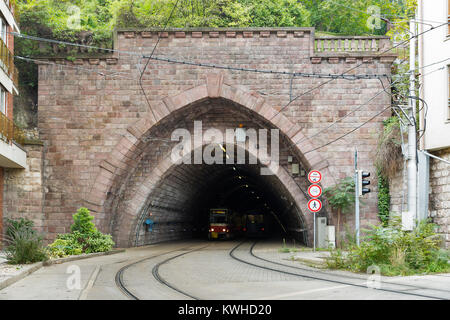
column 362, row 182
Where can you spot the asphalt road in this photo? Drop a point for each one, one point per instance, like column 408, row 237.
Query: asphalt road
column 231, row 270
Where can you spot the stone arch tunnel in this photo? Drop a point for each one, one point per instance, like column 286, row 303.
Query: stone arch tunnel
column 107, row 147
column 177, row 196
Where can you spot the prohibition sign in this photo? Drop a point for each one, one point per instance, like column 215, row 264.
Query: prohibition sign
column 315, row 191
column 314, row 205
column 314, row 176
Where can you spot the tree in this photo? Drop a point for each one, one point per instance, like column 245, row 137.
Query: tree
column 82, row 222
column 341, row 197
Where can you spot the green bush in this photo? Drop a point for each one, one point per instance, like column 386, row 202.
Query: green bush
column 82, row 222
column 61, row 248
column 83, row 238
column 395, row 251
column 24, row 244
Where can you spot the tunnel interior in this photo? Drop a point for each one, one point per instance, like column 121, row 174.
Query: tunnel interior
column 179, row 205
column 240, row 189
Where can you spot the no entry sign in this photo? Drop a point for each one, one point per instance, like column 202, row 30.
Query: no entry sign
column 314, row 205
column 315, row 191
column 314, row 176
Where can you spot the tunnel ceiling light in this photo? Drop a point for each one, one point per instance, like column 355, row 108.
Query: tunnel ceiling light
column 246, row 185
column 240, row 177
column 234, row 168
column 241, row 134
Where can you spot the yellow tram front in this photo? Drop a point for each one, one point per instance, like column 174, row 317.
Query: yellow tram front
column 219, row 224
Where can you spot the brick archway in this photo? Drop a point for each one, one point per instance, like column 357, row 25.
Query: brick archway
column 129, row 219
column 126, row 153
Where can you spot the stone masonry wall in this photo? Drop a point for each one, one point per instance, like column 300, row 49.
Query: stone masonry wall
column 439, row 205
column 23, row 189
column 83, row 115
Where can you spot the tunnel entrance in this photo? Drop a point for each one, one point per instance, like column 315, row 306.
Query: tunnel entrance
column 249, row 200
column 177, row 196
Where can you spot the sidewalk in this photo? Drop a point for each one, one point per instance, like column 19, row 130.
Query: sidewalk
column 2, row 257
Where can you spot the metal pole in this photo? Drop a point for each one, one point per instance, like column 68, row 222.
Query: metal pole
column 314, row 215
column 356, row 199
column 412, row 142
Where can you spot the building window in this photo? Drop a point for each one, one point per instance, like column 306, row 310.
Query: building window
column 3, row 100
column 3, row 28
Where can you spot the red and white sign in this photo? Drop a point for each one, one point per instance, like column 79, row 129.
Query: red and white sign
column 314, row 176
column 314, row 205
column 315, row 191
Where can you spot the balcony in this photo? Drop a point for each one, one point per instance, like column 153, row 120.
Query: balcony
column 12, row 5
column 7, row 64
column 11, row 137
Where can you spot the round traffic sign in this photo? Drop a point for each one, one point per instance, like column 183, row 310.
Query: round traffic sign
column 315, row 191
column 314, row 205
column 314, row 176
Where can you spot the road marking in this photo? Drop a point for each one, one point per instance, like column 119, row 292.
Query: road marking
column 90, row 284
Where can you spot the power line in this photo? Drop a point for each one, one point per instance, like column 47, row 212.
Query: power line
column 347, row 115
column 72, row 67
column 208, row 65
column 351, row 131
column 355, row 67
column 149, row 58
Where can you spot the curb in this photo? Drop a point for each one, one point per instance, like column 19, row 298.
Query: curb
column 47, row 263
column 312, row 263
column 81, row 257
column 21, row 275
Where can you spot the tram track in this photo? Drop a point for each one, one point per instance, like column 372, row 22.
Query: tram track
column 318, row 278
column 127, row 291
column 341, row 276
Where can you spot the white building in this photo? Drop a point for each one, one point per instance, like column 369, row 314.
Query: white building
column 434, row 67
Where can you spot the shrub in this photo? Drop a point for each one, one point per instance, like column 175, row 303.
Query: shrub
column 24, row 244
column 15, row 225
column 83, row 238
column 82, row 222
column 395, row 251
column 61, row 248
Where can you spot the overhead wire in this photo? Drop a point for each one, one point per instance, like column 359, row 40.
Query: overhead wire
column 150, row 57
column 208, row 65
column 353, row 68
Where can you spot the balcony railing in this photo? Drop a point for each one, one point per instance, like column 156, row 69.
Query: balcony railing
column 7, row 62
column 9, row 131
column 350, row 44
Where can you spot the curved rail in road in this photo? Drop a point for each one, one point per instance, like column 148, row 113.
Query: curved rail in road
column 314, row 277
column 341, row 276
column 155, row 272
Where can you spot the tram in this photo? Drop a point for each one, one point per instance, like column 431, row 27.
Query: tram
column 220, row 224
column 255, row 226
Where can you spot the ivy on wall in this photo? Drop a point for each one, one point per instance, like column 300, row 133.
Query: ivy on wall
column 384, row 198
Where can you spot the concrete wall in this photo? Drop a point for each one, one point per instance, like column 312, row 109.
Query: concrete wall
column 434, row 46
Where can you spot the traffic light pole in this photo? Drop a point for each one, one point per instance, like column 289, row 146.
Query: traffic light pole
column 356, row 199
